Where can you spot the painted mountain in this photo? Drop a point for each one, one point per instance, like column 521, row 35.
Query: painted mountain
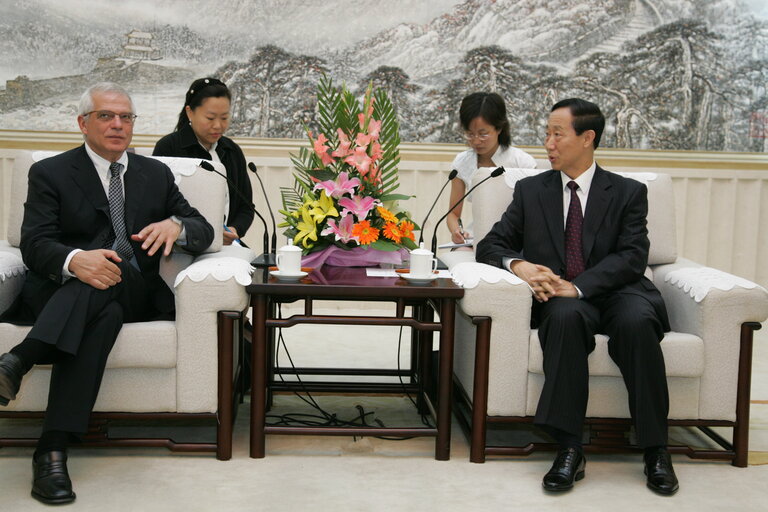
column 669, row 74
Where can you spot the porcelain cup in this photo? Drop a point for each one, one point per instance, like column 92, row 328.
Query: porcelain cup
column 289, row 259
column 423, row 263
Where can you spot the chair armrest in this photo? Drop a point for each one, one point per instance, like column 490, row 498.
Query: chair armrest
column 12, row 276
column 697, row 296
column 489, row 290
column 206, row 287
column 506, row 299
column 712, row 305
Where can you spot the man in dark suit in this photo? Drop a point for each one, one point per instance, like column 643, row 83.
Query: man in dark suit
column 96, row 221
column 577, row 235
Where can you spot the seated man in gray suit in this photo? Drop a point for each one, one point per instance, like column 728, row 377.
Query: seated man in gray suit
column 577, row 235
column 96, row 221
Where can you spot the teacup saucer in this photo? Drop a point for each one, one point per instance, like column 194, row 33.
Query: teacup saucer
column 283, row 276
column 418, row 280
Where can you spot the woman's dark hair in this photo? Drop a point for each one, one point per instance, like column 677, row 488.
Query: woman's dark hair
column 490, row 107
column 201, row 89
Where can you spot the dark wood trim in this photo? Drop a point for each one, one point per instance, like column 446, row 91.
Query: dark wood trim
column 226, row 417
column 228, row 395
column 482, row 362
column 741, row 431
column 340, row 284
column 609, row 437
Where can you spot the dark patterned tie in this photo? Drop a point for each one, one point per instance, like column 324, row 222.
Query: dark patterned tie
column 574, row 257
column 119, row 236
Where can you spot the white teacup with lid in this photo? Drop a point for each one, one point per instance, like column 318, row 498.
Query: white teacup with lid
column 289, row 259
column 423, row 263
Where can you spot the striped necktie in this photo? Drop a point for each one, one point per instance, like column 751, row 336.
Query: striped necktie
column 119, row 236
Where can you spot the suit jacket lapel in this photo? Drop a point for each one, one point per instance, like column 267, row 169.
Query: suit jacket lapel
column 84, row 174
column 551, row 198
column 135, row 183
column 598, row 203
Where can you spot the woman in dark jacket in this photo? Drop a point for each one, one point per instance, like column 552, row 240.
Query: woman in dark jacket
column 200, row 134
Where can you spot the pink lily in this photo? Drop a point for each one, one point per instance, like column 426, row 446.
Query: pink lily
column 344, row 143
column 358, row 205
column 342, row 231
column 360, row 160
column 340, row 186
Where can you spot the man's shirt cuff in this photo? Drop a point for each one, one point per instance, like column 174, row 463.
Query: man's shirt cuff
column 65, row 273
column 181, row 240
column 507, row 261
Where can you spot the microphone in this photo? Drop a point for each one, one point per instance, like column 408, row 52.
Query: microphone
column 208, row 167
column 496, row 172
column 253, row 169
column 450, row 178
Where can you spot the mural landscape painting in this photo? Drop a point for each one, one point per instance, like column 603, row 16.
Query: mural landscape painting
column 670, row 74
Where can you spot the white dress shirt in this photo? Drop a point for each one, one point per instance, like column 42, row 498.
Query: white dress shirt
column 584, row 181
column 104, row 174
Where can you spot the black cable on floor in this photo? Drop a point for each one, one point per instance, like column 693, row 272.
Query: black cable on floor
column 327, row 419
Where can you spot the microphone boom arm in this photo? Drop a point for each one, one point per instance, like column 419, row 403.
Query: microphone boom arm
column 208, row 167
column 496, row 172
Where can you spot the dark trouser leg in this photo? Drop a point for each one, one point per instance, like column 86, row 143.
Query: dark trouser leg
column 75, row 380
column 566, row 333
column 63, row 312
column 635, row 332
column 87, row 329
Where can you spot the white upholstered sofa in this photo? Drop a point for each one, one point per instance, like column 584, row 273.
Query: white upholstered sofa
column 160, row 369
column 498, row 359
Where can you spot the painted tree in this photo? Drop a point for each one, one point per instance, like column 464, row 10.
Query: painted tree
column 675, row 72
column 272, row 93
column 400, row 91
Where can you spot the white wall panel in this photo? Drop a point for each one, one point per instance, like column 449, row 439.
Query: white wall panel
column 721, row 217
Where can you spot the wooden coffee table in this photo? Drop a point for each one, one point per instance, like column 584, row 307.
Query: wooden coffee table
column 352, row 284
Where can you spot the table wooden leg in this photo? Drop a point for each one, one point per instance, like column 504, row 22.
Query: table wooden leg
column 444, row 387
column 258, row 376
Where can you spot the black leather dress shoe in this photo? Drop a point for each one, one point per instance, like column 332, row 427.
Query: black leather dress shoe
column 51, row 483
column 568, row 468
column 11, row 372
column 660, row 473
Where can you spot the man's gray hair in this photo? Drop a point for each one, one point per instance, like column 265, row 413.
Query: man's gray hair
column 86, row 100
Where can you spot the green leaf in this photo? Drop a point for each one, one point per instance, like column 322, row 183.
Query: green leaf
column 384, row 245
column 395, row 197
column 322, row 174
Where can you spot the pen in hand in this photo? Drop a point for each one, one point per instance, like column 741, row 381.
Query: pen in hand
column 229, row 231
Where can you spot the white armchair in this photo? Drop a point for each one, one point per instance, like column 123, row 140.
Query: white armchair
column 160, row 369
column 498, row 359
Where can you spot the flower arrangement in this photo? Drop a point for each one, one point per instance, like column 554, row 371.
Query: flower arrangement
column 344, row 186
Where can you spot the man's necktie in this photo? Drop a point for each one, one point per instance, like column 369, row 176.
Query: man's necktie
column 574, row 257
column 116, row 209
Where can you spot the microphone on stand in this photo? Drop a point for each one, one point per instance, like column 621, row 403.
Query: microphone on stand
column 208, row 167
column 496, row 172
column 450, row 178
column 271, row 256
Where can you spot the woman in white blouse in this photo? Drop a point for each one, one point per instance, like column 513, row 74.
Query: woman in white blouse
column 483, row 116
